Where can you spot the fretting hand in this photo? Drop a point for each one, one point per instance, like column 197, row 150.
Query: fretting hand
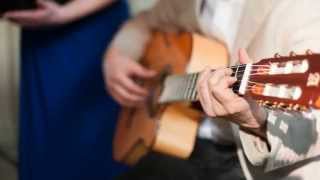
column 218, row 99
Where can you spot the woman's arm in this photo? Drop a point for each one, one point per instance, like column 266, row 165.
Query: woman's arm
column 49, row 13
column 78, row 9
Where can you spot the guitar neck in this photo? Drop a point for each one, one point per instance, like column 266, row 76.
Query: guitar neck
column 184, row 87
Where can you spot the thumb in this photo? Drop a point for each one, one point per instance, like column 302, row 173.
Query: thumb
column 244, row 57
column 141, row 72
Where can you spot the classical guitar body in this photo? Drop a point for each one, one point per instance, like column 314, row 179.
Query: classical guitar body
column 168, row 124
column 169, row 128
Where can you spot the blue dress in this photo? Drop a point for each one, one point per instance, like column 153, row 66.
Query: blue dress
column 66, row 117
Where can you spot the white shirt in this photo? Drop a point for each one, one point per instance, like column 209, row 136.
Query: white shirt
column 224, row 16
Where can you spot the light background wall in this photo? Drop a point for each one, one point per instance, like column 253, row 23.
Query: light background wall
column 9, row 73
column 139, row 5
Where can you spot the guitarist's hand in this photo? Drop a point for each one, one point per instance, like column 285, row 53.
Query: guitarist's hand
column 218, row 100
column 119, row 71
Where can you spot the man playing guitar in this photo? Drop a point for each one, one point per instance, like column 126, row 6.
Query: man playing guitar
column 262, row 28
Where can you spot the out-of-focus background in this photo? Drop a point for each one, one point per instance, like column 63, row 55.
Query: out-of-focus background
column 9, row 87
column 9, row 73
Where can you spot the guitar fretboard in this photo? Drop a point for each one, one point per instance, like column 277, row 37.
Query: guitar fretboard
column 184, row 87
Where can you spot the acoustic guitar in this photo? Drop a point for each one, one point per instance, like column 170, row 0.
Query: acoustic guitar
column 168, row 121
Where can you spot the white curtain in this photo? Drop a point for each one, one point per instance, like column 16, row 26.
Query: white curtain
column 9, row 73
column 139, row 5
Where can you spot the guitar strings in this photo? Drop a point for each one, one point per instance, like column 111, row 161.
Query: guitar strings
column 254, row 65
column 258, row 70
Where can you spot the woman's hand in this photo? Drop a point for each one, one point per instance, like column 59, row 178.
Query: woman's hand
column 218, row 99
column 48, row 13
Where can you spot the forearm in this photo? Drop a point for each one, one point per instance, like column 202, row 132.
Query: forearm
column 166, row 15
column 260, row 114
column 135, row 31
column 78, row 9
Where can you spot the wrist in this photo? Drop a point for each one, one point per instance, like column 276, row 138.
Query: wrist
column 260, row 118
column 261, row 131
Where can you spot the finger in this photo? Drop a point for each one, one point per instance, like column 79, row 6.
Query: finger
column 228, row 71
column 27, row 19
column 127, row 96
column 222, row 91
column 205, row 74
column 225, row 97
column 131, row 86
column 217, row 75
column 123, row 97
column 140, row 71
column 27, row 14
column 119, row 99
column 244, row 57
column 228, row 81
column 204, row 93
column 13, row 14
column 114, row 95
column 217, row 107
column 204, row 97
column 211, row 106
column 219, row 87
column 24, row 22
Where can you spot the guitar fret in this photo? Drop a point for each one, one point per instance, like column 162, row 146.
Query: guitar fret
column 239, row 75
column 184, row 87
column 193, row 77
column 235, row 74
column 234, row 70
column 187, row 85
column 183, row 91
column 189, row 81
column 194, row 89
column 242, row 69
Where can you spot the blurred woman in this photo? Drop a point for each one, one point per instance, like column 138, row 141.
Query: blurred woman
column 66, row 118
